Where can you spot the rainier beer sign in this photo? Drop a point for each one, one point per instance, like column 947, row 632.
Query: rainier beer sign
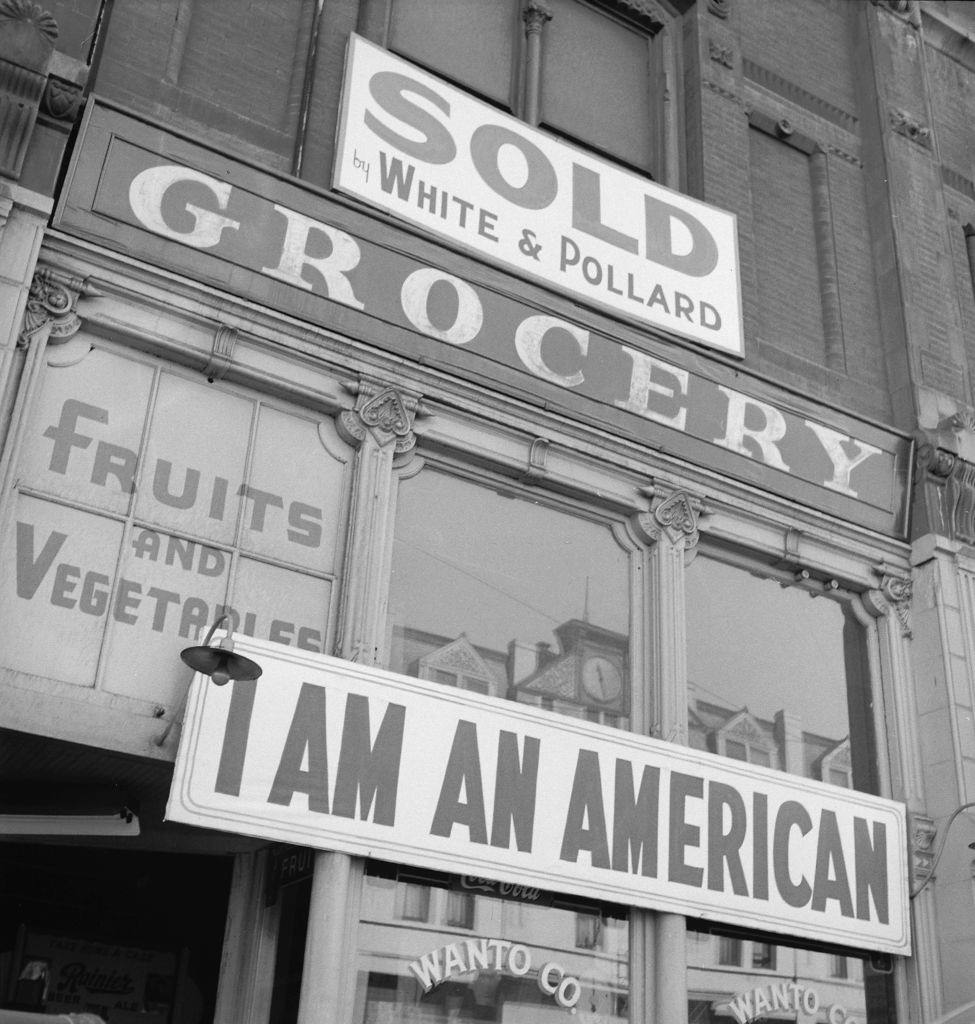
column 329, row 754
column 430, row 154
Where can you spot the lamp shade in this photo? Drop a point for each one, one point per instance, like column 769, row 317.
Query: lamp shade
column 220, row 663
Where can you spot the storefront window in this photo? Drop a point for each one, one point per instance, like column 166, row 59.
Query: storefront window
column 776, row 676
column 149, row 503
column 743, row 981
column 516, row 960
column 495, row 593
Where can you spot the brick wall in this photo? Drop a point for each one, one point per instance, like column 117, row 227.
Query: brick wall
column 808, row 42
column 232, row 68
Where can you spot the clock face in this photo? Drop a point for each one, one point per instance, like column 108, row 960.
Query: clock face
column 602, row 679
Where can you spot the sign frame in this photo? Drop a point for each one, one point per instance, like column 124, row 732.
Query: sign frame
column 520, row 227
column 229, row 777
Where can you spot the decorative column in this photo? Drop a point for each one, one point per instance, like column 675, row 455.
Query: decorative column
column 670, row 528
column 35, row 104
column 535, row 14
column 380, row 426
column 943, row 706
column 50, row 321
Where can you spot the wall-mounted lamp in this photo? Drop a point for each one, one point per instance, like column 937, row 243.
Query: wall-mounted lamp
column 220, row 663
column 941, row 847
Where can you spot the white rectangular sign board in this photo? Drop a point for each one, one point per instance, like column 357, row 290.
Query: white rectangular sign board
column 328, row 754
column 434, row 156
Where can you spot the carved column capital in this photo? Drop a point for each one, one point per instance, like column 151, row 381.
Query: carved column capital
column 673, row 514
column 944, row 489
column 894, row 593
column 382, row 412
column 921, row 832
column 535, row 14
column 51, row 306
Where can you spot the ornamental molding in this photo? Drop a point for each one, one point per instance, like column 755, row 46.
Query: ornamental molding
column 647, row 13
column 61, row 100
column 674, row 514
column 921, row 832
column 909, row 126
column 744, row 726
column 20, row 100
column 535, row 14
column 723, row 55
column 716, row 87
column 382, row 412
column 720, row 8
column 27, row 35
column 32, row 14
column 795, row 94
column 944, row 485
column 892, row 595
column 460, row 657
column 51, row 304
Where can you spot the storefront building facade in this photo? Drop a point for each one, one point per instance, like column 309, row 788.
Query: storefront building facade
column 567, row 404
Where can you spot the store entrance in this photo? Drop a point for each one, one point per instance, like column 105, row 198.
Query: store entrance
column 132, row 936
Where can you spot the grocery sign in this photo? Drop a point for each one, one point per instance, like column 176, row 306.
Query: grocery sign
column 328, row 754
column 182, row 206
column 433, row 156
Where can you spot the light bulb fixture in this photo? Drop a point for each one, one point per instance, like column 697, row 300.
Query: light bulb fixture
column 221, row 663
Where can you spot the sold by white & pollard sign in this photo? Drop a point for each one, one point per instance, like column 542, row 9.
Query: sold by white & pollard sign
column 329, row 754
column 429, row 154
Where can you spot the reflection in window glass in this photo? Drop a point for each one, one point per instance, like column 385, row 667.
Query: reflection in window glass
column 498, row 594
column 763, row 956
column 729, row 951
column 778, row 982
column 776, row 676
column 414, row 902
column 517, row 962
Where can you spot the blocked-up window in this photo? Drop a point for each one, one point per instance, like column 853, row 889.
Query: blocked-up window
column 148, row 503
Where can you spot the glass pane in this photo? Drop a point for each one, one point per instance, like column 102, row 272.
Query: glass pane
column 736, row 750
column 86, row 431
column 279, row 604
column 510, row 597
column 521, row 963
column 729, row 952
column 54, row 607
column 193, row 467
column 763, row 955
column 167, row 596
column 296, row 493
column 778, row 671
column 596, row 82
column 783, row 983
